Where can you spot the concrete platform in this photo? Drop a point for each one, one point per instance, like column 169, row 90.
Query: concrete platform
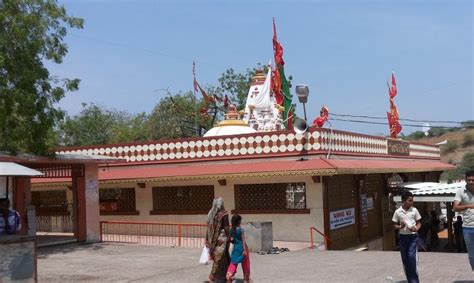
column 136, row 263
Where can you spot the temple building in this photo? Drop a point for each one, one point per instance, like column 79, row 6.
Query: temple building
column 335, row 181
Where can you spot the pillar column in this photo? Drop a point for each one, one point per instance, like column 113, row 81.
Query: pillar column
column 87, row 202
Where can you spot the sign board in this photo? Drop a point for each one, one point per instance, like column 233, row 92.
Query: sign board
column 363, row 210
column 370, row 203
column 398, row 147
column 341, row 218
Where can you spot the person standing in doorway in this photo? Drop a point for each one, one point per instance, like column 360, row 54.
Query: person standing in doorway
column 464, row 203
column 407, row 220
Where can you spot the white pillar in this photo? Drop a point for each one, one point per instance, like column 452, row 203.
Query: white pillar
column 92, row 202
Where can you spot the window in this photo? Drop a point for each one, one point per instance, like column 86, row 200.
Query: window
column 51, row 202
column 182, row 199
column 49, row 197
column 117, row 201
column 271, row 198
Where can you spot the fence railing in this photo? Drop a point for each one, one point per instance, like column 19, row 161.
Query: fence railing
column 327, row 240
column 154, row 233
column 55, row 218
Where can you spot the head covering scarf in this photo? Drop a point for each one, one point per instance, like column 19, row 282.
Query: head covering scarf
column 217, row 205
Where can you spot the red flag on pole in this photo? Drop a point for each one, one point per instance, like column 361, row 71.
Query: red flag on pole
column 277, row 48
column 226, row 101
column 392, row 116
column 198, row 87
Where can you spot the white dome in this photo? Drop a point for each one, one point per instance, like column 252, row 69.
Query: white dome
column 229, row 130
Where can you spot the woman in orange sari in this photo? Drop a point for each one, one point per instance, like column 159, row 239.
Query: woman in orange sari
column 217, row 239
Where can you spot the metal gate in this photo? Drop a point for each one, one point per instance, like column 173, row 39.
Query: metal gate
column 55, row 218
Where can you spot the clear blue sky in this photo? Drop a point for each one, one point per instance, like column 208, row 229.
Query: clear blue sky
column 344, row 50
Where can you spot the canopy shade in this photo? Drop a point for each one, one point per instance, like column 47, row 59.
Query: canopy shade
column 13, row 169
column 432, row 192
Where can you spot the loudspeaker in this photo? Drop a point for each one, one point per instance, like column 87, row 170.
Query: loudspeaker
column 300, row 126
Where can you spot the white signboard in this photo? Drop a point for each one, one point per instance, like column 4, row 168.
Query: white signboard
column 341, row 218
column 370, row 203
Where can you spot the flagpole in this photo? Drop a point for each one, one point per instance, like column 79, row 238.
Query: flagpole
column 196, row 126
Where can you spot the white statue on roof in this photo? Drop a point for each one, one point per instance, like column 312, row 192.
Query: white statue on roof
column 261, row 111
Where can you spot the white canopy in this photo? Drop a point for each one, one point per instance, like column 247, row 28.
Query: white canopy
column 13, row 169
column 432, row 192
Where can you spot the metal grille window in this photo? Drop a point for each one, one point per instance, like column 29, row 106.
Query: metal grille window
column 182, row 199
column 117, row 200
column 48, row 197
column 277, row 196
column 53, row 212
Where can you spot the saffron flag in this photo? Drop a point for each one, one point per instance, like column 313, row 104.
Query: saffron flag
column 392, row 116
column 281, row 87
column 226, row 101
column 198, row 87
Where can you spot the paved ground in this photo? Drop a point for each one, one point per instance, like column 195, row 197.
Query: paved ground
column 134, row 263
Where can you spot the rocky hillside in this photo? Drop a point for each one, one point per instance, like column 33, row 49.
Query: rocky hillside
column 456, row 144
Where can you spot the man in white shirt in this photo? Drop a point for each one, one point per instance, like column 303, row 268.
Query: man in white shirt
column 464, row 203
column 407, row 219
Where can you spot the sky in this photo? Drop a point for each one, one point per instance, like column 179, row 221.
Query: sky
column 344, row 51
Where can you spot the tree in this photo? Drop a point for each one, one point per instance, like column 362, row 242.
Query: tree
column 97, row 125
column 469, row 124
column 236, row 85
column 176, row 116
column 467, row 164
column 32, row 32
column 414, row 136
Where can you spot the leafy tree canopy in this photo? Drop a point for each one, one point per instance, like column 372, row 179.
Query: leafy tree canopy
column 178, row 115
column 97, row 125
column 32, row 32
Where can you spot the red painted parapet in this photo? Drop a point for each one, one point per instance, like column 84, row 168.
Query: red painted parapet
column 261, row 144
column 154, row 233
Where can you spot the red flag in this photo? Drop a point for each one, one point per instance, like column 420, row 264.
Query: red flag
column 276, row 86
column 197, row 87
column 276, row 77
column 392, row 116
column 277, row 48
column 393, row 89
column 226, row 102
column 203, row 92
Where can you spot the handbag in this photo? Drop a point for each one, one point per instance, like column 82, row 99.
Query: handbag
column 204, row 259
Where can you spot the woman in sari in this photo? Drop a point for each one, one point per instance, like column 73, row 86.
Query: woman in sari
column 217, row 239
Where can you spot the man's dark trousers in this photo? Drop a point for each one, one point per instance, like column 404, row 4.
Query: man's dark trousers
column 408, row 251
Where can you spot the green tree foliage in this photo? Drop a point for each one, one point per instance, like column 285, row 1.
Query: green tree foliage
column 32, row 33
column 179, row 115
column 175, row 116
column 415, row 135
column 439, row 131
column 450, row 146
column 468, row 124
column 236, row 86
column 467, row 164
column 468, row 139
column 96, row 125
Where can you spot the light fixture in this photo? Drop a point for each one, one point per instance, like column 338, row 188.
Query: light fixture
column 302, row 91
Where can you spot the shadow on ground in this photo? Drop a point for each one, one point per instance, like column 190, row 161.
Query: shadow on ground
column 44, row 252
